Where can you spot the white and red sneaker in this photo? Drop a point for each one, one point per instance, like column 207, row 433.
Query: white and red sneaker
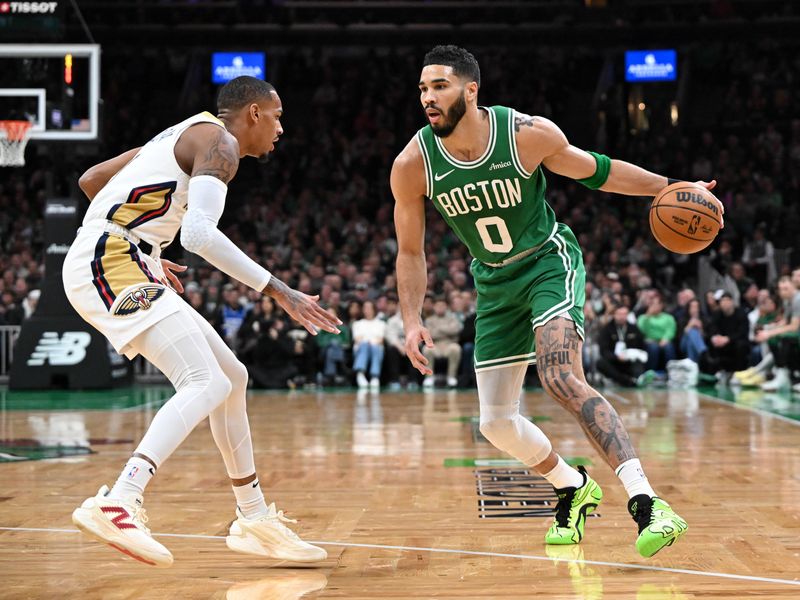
column 121, row 525
column 268, row 536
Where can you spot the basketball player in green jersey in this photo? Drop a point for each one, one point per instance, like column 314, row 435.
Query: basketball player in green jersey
column 481, row 167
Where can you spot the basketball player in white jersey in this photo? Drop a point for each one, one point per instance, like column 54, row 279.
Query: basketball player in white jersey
column 115, row 280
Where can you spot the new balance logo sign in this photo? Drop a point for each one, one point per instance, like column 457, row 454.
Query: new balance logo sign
column 69, row 349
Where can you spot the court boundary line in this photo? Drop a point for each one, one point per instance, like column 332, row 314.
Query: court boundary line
column 598, row 563
column 755, row 409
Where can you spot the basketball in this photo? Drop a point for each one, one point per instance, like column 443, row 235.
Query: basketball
column 685, row 217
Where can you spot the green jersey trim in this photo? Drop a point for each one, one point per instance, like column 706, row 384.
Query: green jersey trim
column 512, row 136
column 428, row 170
column 569, row 285
column 486, row 153
column 517, row 358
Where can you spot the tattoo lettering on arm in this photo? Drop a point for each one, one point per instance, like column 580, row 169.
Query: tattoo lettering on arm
column 221, row 160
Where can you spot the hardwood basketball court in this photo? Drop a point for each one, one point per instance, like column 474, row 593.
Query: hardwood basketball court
column 389, row 484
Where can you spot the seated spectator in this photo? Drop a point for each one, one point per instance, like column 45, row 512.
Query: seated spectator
column 269, row 368
column 332, row 349
column 658, row 328
column 692, row 330
column 369, row 333
column 763, row 316
column 784, row 338
column 444, row 328
column 230, row 314
column 758, row 257
column 615, row 339
column 728, row 337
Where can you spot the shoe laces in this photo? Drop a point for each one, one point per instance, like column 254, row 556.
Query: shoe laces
column 280, row 518
column 139, row 516
column 565, row 497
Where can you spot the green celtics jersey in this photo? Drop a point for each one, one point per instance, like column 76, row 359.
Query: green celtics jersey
column 492, row 203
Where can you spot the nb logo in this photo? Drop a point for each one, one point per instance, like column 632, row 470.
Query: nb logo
column 69, row 349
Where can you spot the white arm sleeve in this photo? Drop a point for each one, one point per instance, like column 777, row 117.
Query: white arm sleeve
column 199, row 233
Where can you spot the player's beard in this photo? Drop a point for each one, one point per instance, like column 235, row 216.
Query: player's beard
column 264, row 158
column 452, row 118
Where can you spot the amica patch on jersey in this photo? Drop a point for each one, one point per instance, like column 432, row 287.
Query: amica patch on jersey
column 139, row 298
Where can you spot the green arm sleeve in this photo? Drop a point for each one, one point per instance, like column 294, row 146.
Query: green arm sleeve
column 600, row 176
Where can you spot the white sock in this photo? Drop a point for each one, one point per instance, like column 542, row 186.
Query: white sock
column 632, row 476
column 563, row 476
column 250, row 499
column 133, row 479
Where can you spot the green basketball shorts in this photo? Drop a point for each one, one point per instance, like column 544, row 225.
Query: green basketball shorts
column 515, row 299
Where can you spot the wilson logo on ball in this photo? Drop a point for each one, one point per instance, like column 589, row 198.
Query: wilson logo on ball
column 697, row 199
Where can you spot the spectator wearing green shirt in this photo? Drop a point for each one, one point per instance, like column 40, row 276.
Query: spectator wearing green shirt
column 332, row 352
column 658, row 328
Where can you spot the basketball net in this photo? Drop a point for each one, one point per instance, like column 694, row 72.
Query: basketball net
column 14, row 136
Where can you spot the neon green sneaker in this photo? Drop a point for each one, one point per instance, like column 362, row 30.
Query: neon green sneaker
column 574, row 504
column 659, row 525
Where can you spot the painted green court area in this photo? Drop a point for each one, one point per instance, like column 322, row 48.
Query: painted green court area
column 113, row 399
column 507, row 462
column 783, row 404
column 475, row 419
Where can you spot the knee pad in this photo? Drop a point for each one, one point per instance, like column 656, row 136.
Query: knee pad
column 518, row 437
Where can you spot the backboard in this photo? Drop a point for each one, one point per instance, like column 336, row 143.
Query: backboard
column 56, row 86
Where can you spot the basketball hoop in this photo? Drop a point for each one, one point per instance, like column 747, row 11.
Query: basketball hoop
column 14, row 136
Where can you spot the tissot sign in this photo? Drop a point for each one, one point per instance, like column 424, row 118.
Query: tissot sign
column 40, row 8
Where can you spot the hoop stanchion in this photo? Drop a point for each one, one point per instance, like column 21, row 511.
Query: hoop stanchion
column 14, row 136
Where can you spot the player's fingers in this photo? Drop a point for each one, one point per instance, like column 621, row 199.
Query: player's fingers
column 326, row 317
column 173, row 266
column 426, row 337
column 176, row 283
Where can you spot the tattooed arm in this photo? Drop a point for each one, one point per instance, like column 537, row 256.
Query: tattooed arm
column 540, row 141
column 301, row 307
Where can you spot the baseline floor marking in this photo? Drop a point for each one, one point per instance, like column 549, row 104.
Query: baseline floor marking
column 755, row 409
column 598, row 563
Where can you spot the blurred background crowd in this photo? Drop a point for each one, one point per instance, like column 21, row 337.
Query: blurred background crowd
column 319, row 213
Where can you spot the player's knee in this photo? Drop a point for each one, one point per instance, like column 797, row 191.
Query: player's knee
column 238, row 376
column 219, row 387
column 519, row 438
column 499, row 431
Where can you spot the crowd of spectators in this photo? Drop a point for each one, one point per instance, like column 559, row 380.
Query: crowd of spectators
column 319, row 214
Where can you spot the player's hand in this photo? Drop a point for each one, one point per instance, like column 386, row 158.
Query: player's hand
column 710, row 185
column 303, row 308
column 416, row 336
column 170, row 268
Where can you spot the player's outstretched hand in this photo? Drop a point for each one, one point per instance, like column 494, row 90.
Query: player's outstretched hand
column 302, row 308
column 416, row 336
column 710, row 185
column 170, row 268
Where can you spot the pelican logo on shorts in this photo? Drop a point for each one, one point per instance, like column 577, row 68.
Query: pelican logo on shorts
column 69, row 349
column 141, row 298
